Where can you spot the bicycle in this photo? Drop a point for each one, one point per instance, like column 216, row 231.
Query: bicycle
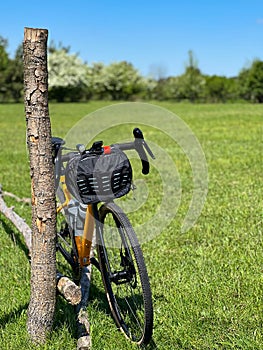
column 87, row 182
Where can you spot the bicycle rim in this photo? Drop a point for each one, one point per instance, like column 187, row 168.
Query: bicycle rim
column 124, row 275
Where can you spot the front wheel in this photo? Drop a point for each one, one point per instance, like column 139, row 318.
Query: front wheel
column 124, row 274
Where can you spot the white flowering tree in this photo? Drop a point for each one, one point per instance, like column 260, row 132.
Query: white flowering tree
column 68, row 76
column 118, row 81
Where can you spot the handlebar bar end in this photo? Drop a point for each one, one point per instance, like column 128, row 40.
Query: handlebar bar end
column 137, row 133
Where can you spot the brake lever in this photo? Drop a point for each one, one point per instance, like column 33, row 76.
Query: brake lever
column 139, row 135
column 149, row 151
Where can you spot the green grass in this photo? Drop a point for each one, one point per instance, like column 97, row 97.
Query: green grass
column 206, row 282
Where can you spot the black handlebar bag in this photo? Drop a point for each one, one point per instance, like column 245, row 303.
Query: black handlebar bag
column 93, row 178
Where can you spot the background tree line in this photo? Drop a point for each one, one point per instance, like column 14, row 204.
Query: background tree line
column 71, row 79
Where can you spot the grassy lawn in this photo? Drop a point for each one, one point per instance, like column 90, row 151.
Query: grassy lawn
column 206, row 282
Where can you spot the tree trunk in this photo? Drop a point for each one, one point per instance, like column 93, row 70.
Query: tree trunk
column 43, row 255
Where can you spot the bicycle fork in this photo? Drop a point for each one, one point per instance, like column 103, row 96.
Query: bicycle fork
column 84, row 241
column 125, row 272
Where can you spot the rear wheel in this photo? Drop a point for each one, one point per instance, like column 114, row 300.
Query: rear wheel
column 124, row 274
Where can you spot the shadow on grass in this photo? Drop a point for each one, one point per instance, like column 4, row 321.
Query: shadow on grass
column 15, row 236
column 99, row 296
column 65, row 316
column 13, row 315
column 102, row 305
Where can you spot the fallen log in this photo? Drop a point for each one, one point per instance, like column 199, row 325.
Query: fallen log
column 19, row 223
column 68, row 289
column 84, row 338
column 12, row 195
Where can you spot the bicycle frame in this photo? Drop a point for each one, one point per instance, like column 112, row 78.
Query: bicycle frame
column 123, row 271
column 83, row 242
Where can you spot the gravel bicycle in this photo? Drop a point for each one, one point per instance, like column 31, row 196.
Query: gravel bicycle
column 87, row 182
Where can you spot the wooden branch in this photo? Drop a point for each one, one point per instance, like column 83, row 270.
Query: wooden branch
column 84, row 338
column 19, row 223
column 9, row 194
column 68, row 289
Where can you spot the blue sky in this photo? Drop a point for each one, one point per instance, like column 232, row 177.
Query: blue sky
column 155, row 36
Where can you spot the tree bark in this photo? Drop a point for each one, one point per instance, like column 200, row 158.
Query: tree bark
column 43, row 254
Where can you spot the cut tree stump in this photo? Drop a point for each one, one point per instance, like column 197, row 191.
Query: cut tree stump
column 68, row 289
column 41, row 309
